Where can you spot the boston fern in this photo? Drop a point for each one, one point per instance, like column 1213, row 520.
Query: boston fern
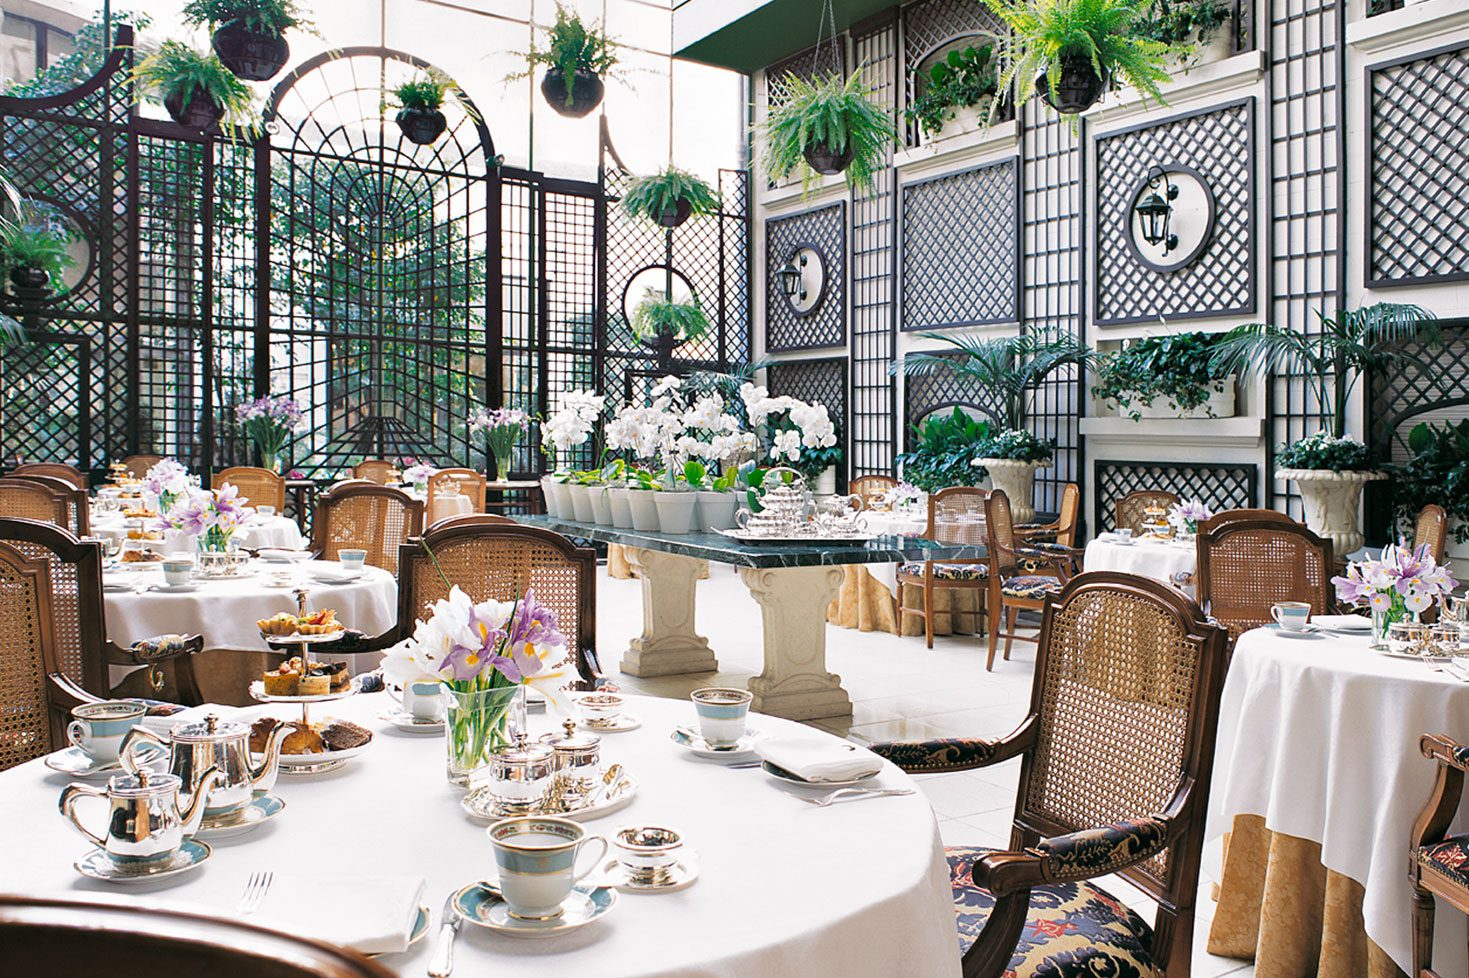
column 658, row 315
column 944, row 448
column 1438, row 473
column 651, row 196
column 273, row 17
column 424, row 92
column 832, row 112
column 28, row 246
column 964, row 78
column 571, row 46
column 177, row 69
column 1179, row 368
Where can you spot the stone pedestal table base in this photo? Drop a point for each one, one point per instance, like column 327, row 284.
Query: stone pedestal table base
column 793, row 603
column 669, row 645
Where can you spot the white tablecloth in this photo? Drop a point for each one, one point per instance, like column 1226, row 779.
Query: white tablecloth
column 256, row 532
column 443, row 507
column 225, row 612
column 785, row 890
column 1320, row 737
column 1162, row 560
column 900, row 524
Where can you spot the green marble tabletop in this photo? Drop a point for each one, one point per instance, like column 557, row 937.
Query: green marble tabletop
column 726, row 550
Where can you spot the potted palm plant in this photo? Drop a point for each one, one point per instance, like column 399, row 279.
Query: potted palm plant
column 34, row 255
column 955, row 93
column 670, row 197
column 1329, row 467
column 249, row 35
column 420, row 104
column 196, row 89
column 825, row 127
column 1008, row 369
column 1070, row 51
column 577, row 58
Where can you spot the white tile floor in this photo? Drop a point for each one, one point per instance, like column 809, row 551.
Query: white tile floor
column 900, row 690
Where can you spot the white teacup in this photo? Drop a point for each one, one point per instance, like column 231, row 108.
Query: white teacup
column 599, row 708
column 721, row 714
column 352, row 561
column 97, row 729
column 1123, row 532
column 1292, row 616
column 265, row 510
column 536, row 856
column 177, row 572
column 422, row 699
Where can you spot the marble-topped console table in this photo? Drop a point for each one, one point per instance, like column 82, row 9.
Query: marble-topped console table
column 793, row 585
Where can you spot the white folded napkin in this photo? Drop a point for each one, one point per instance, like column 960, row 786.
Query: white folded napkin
column 819, row 759
column 1343, row 623
column 370, row 914
column 241, row 714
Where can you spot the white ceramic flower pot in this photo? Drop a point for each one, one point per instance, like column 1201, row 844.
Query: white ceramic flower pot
column 643, row 505
column 1219, row 405
column 1017, row 480
column 601, row 505
column 1333, row 504
column 826, row 482
column 581, row 504
column 965, row 120
column 617, row 498
column 676, row 511
column 717, row 510
column 554, row 496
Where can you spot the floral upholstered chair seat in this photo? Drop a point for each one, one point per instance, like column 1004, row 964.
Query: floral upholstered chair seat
column 1449, row 858
column 946, row 572
column 1035, row 586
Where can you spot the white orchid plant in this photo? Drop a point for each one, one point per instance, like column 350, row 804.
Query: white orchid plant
column 795, row 432
column 571, row 424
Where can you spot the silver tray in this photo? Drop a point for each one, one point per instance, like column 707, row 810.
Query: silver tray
column 478, row 805
column 745, row 536
column 299, row 639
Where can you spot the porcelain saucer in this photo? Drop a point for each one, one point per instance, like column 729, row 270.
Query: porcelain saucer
column 1310, row 631
column 174, row 588
column 409, row 723
column 691, row 741
column 482, row 905
column 99, row 866
column 618, row 724
column 261, row 809
column 420, row 928
column 75, row 762
column 683, row 875
column 781, row 774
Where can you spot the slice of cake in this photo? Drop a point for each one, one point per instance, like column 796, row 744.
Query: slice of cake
column 344, row 735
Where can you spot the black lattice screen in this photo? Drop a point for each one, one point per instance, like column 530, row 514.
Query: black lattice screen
column 926, row 393
column 823, row 381
column 825, row 324
column 1219, row 487
column 1219, row 144
column 961, row 248
column 46, row 400
column 1418, row 194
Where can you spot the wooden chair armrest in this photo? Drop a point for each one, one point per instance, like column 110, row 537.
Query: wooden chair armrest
column 64, row 694
column 152, row 651
column 1437, row 814
column 956, row 753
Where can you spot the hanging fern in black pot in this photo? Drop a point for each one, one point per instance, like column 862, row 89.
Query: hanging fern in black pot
column 670, row 197
column 197, row 90
column 34, row 255
column 420, row 107
column 249, row 35
column 826, row 127
column 577, row 58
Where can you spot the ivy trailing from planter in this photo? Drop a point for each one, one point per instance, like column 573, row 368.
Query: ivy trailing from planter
column 249, row 35
column 944, row 449
column 825, row 127
column 1070, row 51
column 1179, row 368
column 1177, row 22
column 577, row 59
column 670, row 197
column 196, row 89
column 964, row 79
column 1437, row 473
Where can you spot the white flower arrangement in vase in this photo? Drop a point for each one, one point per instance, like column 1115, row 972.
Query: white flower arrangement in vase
column 712, row 440
column 797, row 433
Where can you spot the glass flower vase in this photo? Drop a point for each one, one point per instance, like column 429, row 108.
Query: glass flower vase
column 502, row 467
column 1382, row 620
column 477, row 723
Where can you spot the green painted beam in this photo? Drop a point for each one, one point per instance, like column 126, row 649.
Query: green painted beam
column 770, row 33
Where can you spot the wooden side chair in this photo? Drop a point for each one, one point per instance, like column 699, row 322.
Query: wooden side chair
column 955, row 516
column 1020, row 576
column 871, row 488
column 374, row 470
column 1117, row 752
column 57, row 470
column 258, row 486
column 365, row 516
column 1431, row 530
column 138, row 465
column 461, row 482
column 1064, row 530
column 1246, row 566
column 78, row 505
column 27, row 499
column 1440, row 861
column 95, row 935
column 1236, row 515
column 1130, row 511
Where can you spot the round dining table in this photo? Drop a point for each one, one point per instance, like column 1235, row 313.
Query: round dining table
column 1168, row 560
column 258, row 531
column 1318, row 761
column 784, row 890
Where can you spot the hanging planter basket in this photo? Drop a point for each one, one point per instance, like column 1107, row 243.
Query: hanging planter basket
column 680, row 213
column 251, row 56
column 662, row 344
column 29, row 277
column 421, row 125
column 1079, row 88
column 826, row 162
column 198, row 112
column 587, row 91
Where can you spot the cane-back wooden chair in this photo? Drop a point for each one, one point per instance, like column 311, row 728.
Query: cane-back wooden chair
column 1440, row 863
column 57, row 470
column 70, row 660
column 1064, row 530
column 45, row 936
column 1431, row 530
column 78, row 506
column 138, row 465
column 365, row 516
column 457, row 482
column 871, row 488
column 1117, row 752
column 28, row 499
column 375, row 470
column 1130, row 511
column 1237, row 515
column 955, row 516
column 1020, row 575
column 1247, row 566
column 258, row 486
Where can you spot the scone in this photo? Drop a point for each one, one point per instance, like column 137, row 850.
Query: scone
column 302, row 740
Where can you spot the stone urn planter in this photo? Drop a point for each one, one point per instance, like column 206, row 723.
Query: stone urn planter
column 1333, row 502
column 1016, row 479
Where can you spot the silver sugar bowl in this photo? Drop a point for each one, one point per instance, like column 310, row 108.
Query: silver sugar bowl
column 578, row 761
column 516, row 778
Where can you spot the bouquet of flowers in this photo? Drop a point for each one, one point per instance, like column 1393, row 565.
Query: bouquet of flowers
column 416, row 474
column 169, row 481
column 798, row 433
column 269, row 421
column 905, row 497
column 571, row 424
column 501, row 428
column 212, row 515
column 1187, row 515
column 1399, row 581
column 483, row 654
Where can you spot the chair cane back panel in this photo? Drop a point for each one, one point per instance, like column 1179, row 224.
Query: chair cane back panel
column 374, row 470
column 468, row 482
column 956, row 516
column 74, row 597
column 23, row 499
column 27, row 655
column 138, row 465
column 871, row 488
column 1246, row 566
column 364, row 516
column 75, row 477
column 1132, row 508
column 1431, row 530
column 257, row 486
column 78, row 506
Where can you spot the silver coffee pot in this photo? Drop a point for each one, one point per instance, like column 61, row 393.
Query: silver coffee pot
column 201, row 745
column 146, row 820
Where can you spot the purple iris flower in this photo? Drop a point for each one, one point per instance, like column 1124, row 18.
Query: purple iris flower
column 532, row 624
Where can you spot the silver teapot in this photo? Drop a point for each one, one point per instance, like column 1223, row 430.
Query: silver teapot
column 146, row 821
column 211, row 744
column 784, row 505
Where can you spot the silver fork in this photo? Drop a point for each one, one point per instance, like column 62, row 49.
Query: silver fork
column 255, row 889
column 830, row 797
